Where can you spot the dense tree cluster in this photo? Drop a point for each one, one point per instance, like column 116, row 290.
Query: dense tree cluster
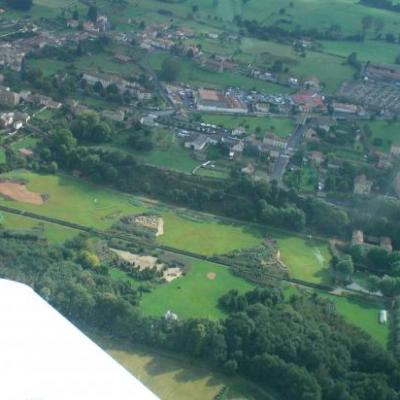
column 23, row 5
column 385, row 4
column 299, row 347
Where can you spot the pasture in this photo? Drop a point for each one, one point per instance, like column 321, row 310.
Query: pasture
column 196, row 294
column 328, row 68
column 377, row 52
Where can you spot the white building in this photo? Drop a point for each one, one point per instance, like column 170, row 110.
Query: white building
column 44, row 356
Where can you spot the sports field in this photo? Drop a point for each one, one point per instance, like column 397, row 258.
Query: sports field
column 196, row 294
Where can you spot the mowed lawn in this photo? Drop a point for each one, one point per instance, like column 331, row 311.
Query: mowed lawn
column 364, row 315
column 196, row 294
column 52, row 232
column 307, row 260
column 207, row 238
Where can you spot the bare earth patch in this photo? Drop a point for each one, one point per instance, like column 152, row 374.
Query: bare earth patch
column 19, row 192
column 211, row 275
column 149, row 262
column 141, row 262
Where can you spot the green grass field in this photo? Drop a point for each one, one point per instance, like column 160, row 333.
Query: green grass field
column 208, row 237
column 52, row 232
column 168, row 151
column 194, row 295
column 328, row 68
column 307, row 260
column 389, row 132
column 25, row 142
column 78, row 201
column 280, row 126
column 363, row 315
column 75, row 200
column 172, row 377
column 358, row 312
column 196, row 76
column 379, row 52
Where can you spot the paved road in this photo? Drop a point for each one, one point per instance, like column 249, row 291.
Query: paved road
column 294, row 142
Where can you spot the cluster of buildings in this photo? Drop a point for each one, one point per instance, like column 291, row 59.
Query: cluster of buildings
column 211, row 100
column 12, row 54
column 13, row 120
column 124, row 86
column 360, row 239
column 378, row 91
column 165, row 37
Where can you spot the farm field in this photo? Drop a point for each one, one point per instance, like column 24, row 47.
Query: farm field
column 313, row 14
column 280, row 126
column 196, row 294
column 383, row 52
column 307, row 260
column 176, row 378
column 328, row 68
